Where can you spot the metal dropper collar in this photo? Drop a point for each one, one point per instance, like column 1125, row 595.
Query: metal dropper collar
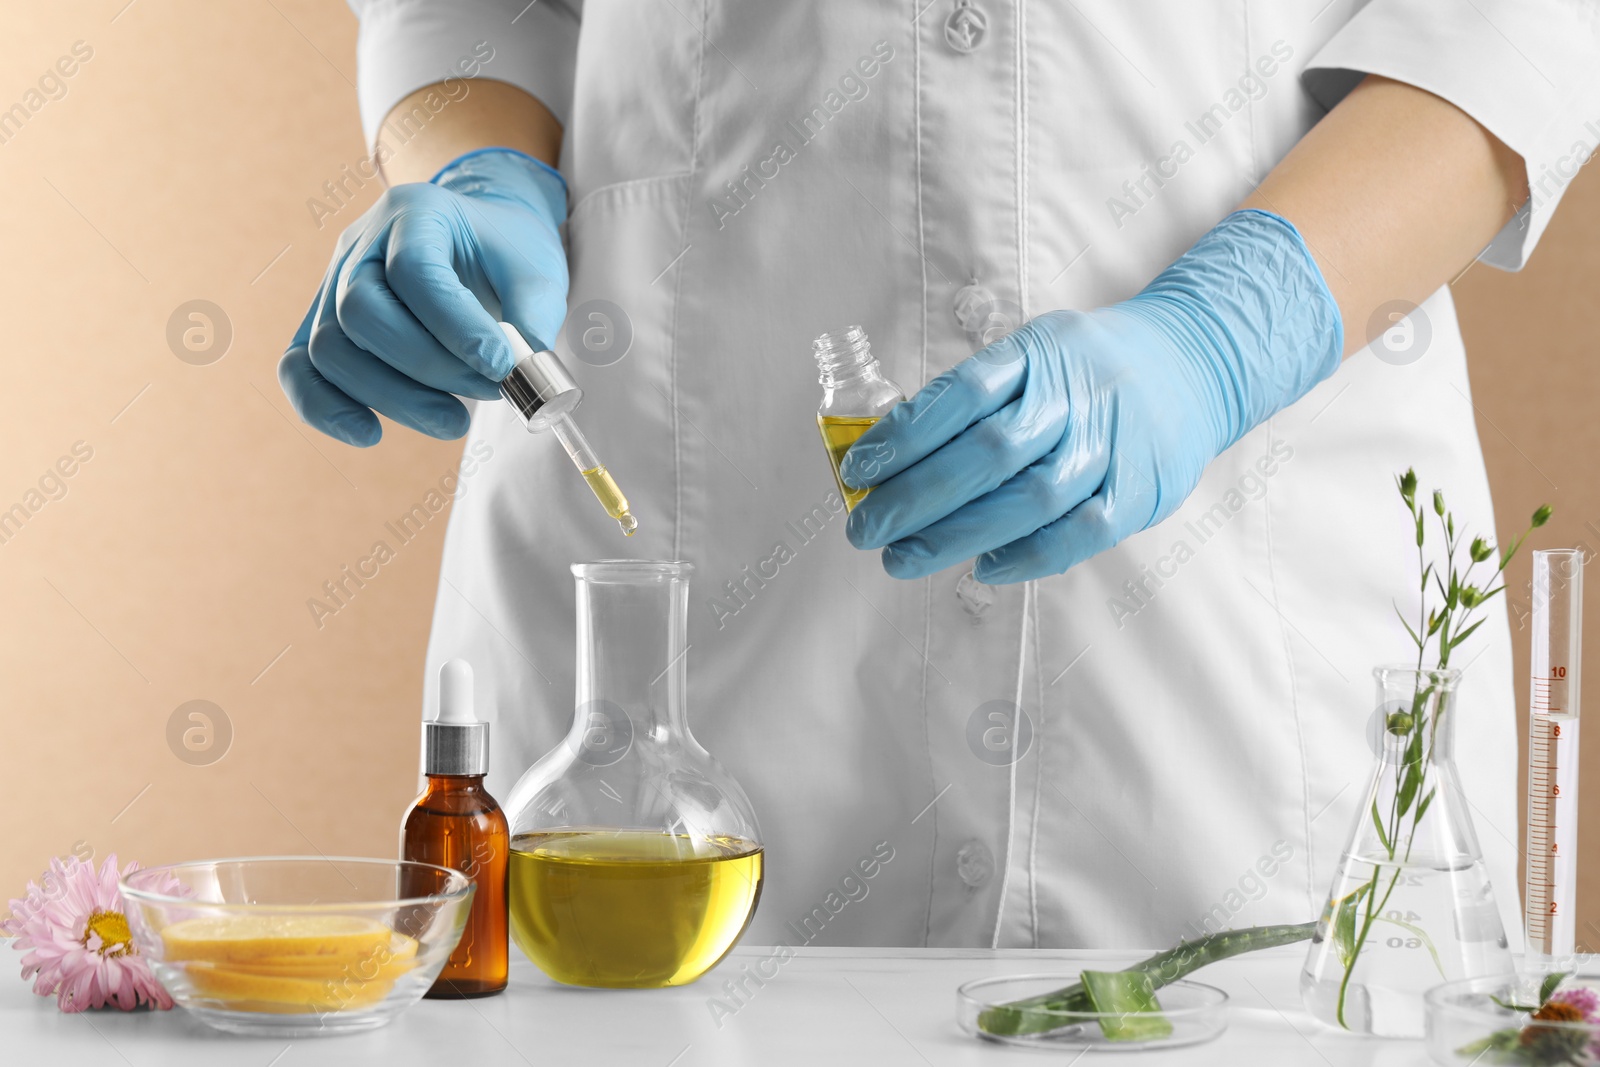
column 538, row 387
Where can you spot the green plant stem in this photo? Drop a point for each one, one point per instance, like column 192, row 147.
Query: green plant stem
column 1419, row 699
column 1038, row 1014
column 1366, row 927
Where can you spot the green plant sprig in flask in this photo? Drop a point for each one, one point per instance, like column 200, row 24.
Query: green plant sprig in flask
column 1451, row 623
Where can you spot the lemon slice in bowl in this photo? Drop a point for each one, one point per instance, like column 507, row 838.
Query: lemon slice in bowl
column 327, row 941
column 298, row 964
column 398, row 957
column 243, row 991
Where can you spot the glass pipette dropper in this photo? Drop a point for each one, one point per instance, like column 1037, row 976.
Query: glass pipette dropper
column 544, row 394
column 594, row 472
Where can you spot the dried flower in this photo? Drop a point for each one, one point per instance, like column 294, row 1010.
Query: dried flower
column 1587, row 1003
column 74, row 930
column 1546, row 1044
column 1586, row 1000
column 1564, row 1029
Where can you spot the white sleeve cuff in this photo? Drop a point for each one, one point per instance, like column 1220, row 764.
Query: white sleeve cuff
column 407, row 44
column 1528, row 71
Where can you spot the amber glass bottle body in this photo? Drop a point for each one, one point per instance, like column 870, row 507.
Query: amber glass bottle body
column 455, row 823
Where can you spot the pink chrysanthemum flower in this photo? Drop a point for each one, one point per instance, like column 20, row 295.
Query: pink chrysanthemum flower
column 74, row 929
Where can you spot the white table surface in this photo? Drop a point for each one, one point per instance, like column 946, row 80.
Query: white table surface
column 824, row 1007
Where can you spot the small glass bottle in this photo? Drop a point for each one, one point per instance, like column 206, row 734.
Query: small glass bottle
column 855, row 395
column 456, row 823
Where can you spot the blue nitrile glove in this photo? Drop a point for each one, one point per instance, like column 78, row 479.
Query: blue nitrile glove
column 406, row 314
column 1082, row 428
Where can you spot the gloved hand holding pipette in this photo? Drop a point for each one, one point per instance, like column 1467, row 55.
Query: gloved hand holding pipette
column 405, row 320
column 403, row 323
column 1080, row 429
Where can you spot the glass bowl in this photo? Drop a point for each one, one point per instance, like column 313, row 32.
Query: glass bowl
column 1195, row 1012
column 1465, row 1025
column 294, row 946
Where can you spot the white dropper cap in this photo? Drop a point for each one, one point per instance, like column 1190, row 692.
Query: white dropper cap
column 455, row 740
column 455, row 693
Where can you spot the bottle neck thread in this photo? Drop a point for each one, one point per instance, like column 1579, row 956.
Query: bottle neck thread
column 843, row 355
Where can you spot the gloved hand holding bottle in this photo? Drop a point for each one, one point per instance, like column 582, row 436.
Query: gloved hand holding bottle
column 405, row 320
column 1080, row 429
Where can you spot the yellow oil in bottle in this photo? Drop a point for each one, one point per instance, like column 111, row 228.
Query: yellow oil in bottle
column 611, row 498
column 838, row 434
column 630, row 909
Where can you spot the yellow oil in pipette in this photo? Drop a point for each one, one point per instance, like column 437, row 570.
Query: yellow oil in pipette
column 544, row 396
column 611, row 498
column 594, row 472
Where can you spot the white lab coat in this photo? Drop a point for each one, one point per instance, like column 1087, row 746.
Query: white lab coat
column 747, row 175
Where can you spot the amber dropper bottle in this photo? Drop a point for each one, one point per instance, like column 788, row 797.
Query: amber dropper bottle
column 456, row 823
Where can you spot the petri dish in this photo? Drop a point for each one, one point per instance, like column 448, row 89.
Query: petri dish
column 1478, row 1021
column 1196, row 1013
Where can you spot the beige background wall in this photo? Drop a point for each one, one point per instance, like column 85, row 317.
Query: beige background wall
column 174, row 564
column 178, row 564
column 1532, row 342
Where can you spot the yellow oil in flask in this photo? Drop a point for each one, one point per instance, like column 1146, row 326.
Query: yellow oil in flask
column 630, row 909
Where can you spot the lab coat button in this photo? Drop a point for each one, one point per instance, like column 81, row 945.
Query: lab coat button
column 976, row 598
column 985, row 317
column 974, row 863
column 966, row 27
column 971, row 304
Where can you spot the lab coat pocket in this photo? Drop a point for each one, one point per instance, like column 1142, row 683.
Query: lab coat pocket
column 625, row 254
column 624, row 243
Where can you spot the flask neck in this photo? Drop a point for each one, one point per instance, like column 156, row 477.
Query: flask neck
column 632, row 642
column 1414, row 812
column 843, row 357
column 1416, row 719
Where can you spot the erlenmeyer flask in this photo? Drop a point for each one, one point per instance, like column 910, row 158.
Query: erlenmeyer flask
column 1411, row 905
column 635, row 858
